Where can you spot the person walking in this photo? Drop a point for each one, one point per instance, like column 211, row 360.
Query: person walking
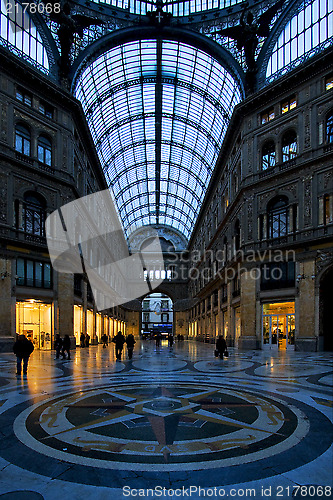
column 104, row 339
column 87, row 340
column 22, row 349
column 158, row 339
column 58, row 345
column 221, row 346
column 130, row 341
column 170, row 340
column 119, row 340
column 66, row 345
column 82, row 339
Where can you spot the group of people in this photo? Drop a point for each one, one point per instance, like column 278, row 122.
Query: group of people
column 84, row 340
column 23, row 347
column 62, row 346
column 158, row 338
column 120, row 340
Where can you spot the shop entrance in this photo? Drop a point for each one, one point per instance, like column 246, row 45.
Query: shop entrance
column 278, row 325
column 326, row 310
column 34, row 320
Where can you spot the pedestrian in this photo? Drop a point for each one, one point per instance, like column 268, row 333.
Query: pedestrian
column 221, row 346
column 158, row 339
column 119, row 340
column 22, row 348
column 66, row 345
column 104, row 339
column 82, row 339
column 130, row 341
column 58, row 345
column 170, row 339
column 87, row 340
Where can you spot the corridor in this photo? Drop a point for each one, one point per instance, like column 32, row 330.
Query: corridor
column 170, row 422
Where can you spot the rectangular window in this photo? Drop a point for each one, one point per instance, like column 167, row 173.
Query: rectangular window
column 277, row 275
column 33, row 273
column 46, row 109
column 288, row 104
column 267, row 116
column 24, row 96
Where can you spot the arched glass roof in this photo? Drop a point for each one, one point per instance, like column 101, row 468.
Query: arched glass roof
column 158, row 112
column 177, row 8
column 308, row 32
column 19, row 33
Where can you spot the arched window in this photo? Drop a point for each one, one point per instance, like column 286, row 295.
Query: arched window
column 289, row 146
column 268, row 157
column 44, row 150
column 277, row 211
column 329, row 127
column 22, row 139
column 34, row 214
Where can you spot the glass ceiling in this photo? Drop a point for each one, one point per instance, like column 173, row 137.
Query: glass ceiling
column 177, row 8
column 158, row 112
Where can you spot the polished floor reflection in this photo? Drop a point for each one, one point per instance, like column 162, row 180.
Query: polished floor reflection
column 173, row 420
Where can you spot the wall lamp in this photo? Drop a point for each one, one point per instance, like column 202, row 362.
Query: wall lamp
column 301, row 277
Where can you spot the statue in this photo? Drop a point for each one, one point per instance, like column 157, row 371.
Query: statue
column 247, row 34
column 68, row 25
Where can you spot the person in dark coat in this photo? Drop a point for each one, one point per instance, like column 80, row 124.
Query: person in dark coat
column 66, row 345
column 104, row 339
column 221, row 346
column 170, row 340
column 158, row 339
column 119, row 340
column 22, row 348
column 130, row 341
column 58, row 345
column 82, row 339
column 87, row 340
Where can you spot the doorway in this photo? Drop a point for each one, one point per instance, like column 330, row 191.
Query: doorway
column 326, row 309
column 278, row 326
column 157, row 316
column 34, row 320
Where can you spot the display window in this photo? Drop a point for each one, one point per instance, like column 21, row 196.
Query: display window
column 34, row 319
column 278, row 325
column 78, row 323
column 90, row 323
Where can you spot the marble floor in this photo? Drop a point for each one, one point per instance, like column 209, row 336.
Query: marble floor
column 171, row 422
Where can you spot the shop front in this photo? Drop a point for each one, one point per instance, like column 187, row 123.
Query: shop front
column 34, row 319
column 278, row 325
column 78, row 323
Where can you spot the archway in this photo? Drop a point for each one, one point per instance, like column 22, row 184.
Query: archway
column 157, row 316
column 326, row 316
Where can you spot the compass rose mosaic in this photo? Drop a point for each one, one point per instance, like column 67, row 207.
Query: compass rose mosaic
column 161, row 427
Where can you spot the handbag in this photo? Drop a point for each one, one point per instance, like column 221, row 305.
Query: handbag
column 226, row 354
column 216, row 353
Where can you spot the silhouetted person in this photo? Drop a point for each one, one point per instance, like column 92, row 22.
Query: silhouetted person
column 104, row 339
column 82, row 339
column 87, row 340
column 221, row 346
column 158, row 339
column 22, row 348
column 66, row 345
column 130, row 341
column 119, row 340
column 58, row 345
column 170, row 340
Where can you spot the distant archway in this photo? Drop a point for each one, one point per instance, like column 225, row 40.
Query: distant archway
column 326, row 316
column 157, row 316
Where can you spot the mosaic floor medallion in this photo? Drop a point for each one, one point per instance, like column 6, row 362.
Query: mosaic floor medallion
column 161, row 427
